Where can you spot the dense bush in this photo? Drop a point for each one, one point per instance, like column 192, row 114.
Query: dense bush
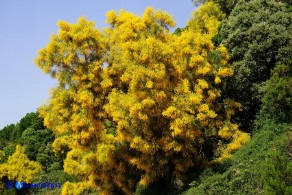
column 257, row 35
column 254, row 169
column 277, row 95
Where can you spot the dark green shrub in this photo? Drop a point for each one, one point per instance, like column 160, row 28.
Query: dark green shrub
column 277, row 98
column 257, row 36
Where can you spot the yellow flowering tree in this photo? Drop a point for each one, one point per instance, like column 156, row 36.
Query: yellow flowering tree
column 136, row 103
column 18, row 167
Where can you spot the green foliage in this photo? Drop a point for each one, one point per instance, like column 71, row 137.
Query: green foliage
column 14, row 132
column 32, row 144
column 162, row 187
column 253, row 169
column 53, row 176
column 277, row 98
column 47, row 158
column 31, row 120
column 217, row 38
column 9, row 150
column 6, row 132
column 8, row 192
column 36, row 139
column 278, row 174
column 178, row 31
column 10, row 133
column 257, row 36
column 111, row 128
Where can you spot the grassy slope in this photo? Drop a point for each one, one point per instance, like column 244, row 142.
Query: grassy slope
column 254, row 169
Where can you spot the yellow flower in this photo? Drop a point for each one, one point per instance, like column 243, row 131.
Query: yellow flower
column 203, row 108
column 170, row 112
column 217, row 80
column 203, row 84
column 195, row 99
column 212, row 96
column 186, row 86
column 201, row 116
column 196, row 61
column 149, row 84
column 225, row 72
column 211, row 114
column 111, row 17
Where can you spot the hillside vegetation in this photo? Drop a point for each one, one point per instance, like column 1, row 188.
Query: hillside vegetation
column 141, row 110
column 263, row 166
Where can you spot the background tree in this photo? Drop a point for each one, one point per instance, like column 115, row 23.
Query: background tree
column 47, row 158
column 34, row 140
column 161, row 93
column 31, row 120
column 5, row 134
column 13, row 132
column 257, row 36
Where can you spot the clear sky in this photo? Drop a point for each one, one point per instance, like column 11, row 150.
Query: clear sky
column 25, row 27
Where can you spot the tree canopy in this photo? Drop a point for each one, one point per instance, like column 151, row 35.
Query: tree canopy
column 257, row 36
column 136, row 103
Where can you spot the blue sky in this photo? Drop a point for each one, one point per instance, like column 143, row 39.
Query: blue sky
column 26, row 26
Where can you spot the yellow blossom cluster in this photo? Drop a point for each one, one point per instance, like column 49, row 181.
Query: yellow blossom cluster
column 18, row 167
column 135, row 102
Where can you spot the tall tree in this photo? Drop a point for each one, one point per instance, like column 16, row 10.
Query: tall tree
column 136, row 103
